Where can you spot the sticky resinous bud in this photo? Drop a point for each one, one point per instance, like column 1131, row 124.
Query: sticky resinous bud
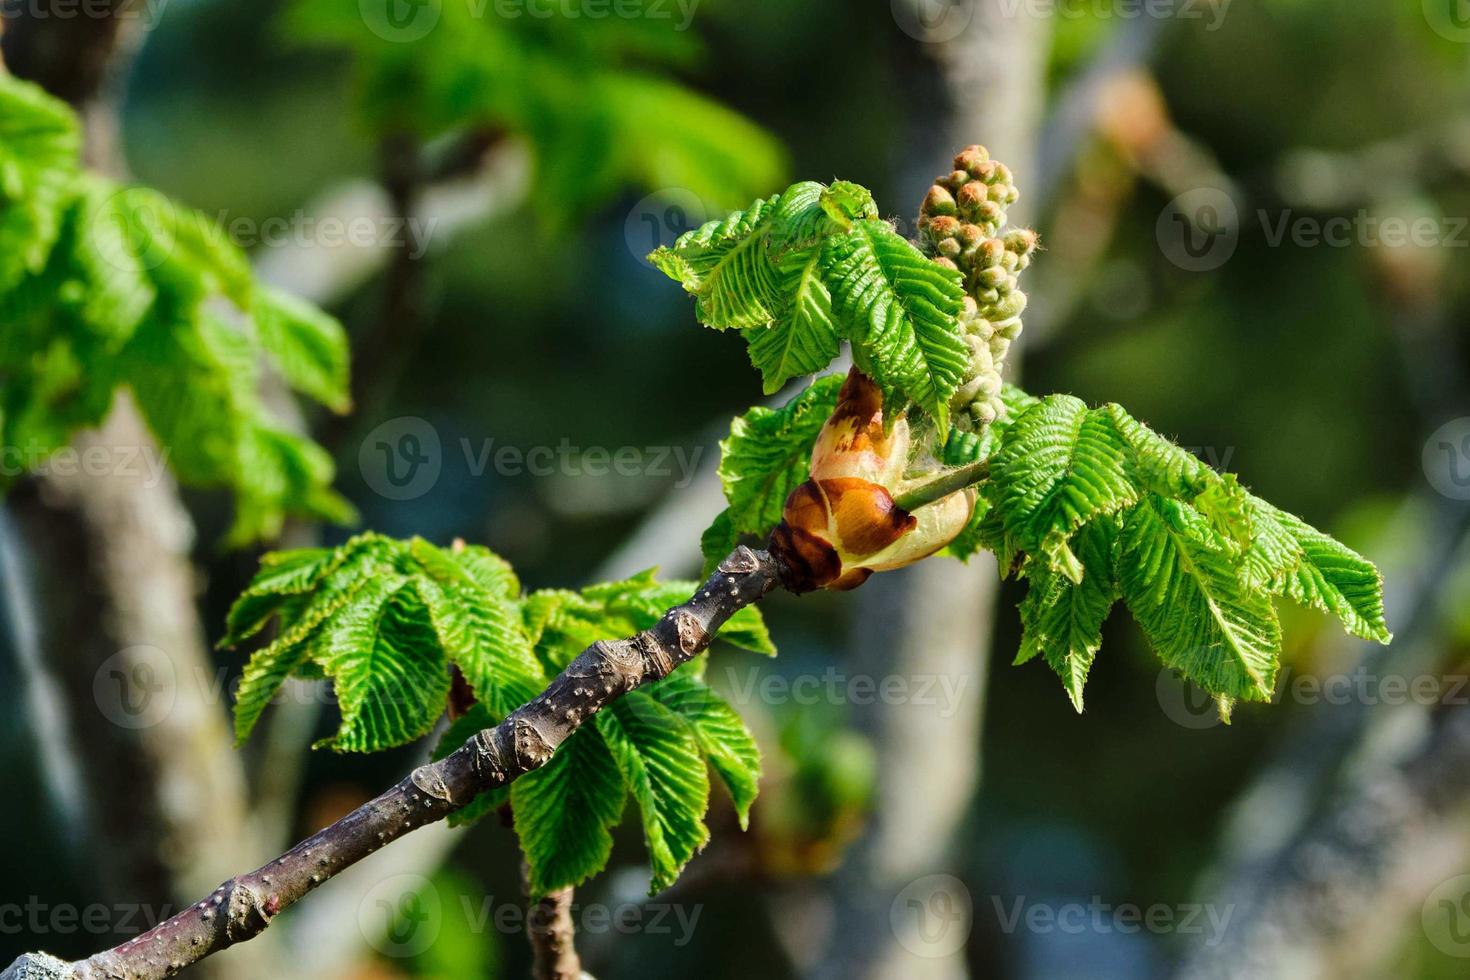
column 842, row 524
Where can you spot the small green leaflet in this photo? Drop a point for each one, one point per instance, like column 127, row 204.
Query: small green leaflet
column 804, row 339
column 900, row 311
column 1183, row 587
column 663, row 737
column 565, row 812
column 802, row 271
column 1061, row 620
column 39, row 144
column 664, row 771
column 765, row 457
column 1101, row 507
column 309, row 347
column 1059, row 466
column 725, row 265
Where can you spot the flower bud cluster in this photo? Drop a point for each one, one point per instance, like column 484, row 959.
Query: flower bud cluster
column 962, row 223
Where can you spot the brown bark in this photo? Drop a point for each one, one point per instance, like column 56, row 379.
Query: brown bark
column 552, row 935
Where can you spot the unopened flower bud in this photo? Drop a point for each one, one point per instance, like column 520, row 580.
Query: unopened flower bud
column 842, row 524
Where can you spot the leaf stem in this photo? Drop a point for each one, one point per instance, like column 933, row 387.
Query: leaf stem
column 943, row 484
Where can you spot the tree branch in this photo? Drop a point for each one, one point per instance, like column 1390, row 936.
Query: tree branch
column 244, row 906
column 552, row 934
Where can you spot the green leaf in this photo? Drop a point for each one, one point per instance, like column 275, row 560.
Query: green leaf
column 1061, row 619
column 725, row 265
column 803, row 339
column 39, row 143
column 282, row 575
column 663, row 768
column 717, row 541
column 727, row 743
column 477, row 618
column 303, row 613
column 1060, row 466
column 899, row 309
column 105, row 287
column 1313, row 569
column 118, row 289
column 1182, row 585
column 768, row 454
column 386, row 665
column 306, row 345
column 566, row 810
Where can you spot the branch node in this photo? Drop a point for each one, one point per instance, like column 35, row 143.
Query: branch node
column 429, row 782
column 693, row 637
column 741, row 561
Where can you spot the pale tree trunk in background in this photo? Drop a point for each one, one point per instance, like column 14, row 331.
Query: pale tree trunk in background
column 933, row 620
column 1355, row 830
column 116, row 622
